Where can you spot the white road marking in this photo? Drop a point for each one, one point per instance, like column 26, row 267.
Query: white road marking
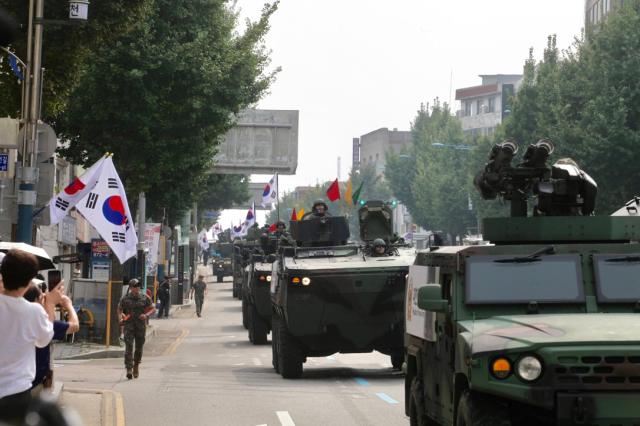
column 331, row 358
column 257, row 361
column 285, row 418
column 240, row 363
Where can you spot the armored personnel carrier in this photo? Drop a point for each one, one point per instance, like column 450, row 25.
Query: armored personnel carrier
column 542, row 326
column 256, row 300
column 329, row 296
column 243, row 250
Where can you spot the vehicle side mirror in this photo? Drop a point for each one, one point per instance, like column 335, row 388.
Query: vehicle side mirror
column 271, row 258
column 430, row 298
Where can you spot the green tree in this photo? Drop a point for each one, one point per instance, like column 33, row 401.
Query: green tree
column 587, row 101
column 432, row 177
column 64, row 48
column 162, row 94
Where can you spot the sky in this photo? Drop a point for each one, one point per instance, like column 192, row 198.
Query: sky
column 354, row 66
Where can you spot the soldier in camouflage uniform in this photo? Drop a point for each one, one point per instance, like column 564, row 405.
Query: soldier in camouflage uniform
column 134, row 310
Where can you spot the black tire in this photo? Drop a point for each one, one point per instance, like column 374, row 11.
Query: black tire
column 234, row 291
column 397, row 360
column 257, row 327
column 289, row 353
column 245, row 314
column 417, row 416
column 274, row 343
column 474, row 410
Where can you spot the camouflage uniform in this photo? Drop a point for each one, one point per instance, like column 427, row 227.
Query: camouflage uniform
column 134, row 328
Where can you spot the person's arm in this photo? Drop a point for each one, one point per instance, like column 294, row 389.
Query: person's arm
column 51, row 299
column 42, row 326
column 74, row 323
column 149, row 309
column 206, row 289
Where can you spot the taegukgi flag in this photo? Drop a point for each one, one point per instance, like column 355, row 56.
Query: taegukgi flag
column 107, row 209
column 61, row 203
column 270, row 193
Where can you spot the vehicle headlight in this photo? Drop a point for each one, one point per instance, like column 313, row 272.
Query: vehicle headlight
column 501, row 368
column 268, row 278
column 306, row 281
column 529, row 368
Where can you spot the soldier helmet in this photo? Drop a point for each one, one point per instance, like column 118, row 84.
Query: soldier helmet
column 318, row 202
column 379, row 242
column 134, row 282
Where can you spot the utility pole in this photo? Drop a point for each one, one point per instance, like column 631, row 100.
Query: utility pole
column 29, row 173
column 142, row 214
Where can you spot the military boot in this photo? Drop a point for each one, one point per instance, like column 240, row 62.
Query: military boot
column 129, row 374
column 135, row 370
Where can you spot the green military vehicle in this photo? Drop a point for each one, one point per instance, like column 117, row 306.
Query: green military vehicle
column 329, row 296
column 256, row 300
column 540, row 328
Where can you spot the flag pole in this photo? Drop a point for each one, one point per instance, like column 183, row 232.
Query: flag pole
column 277, row 198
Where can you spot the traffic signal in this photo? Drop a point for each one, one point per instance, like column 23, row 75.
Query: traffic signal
column 362, row 202
column 394, row 204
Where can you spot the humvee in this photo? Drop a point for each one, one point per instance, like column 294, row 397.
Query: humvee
column 539, row 328
column 329, row 296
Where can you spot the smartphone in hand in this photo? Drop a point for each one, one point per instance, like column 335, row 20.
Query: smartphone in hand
column 53, row 279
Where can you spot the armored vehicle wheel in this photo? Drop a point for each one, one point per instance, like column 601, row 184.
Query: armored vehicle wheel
column 289, row 354
column 397, row 360
column 257, row 327
column 234, row 292
column 417, row 417
column 476, row 411
column 245, row 313
column 274, row 343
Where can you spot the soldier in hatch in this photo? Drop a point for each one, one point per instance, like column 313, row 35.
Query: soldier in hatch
column 134, row 310
column 379, row 248
column 319, row 209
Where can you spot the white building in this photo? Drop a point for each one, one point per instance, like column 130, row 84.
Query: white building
column 482, row 108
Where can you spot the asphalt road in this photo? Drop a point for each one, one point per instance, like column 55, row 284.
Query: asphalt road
column 204, row 371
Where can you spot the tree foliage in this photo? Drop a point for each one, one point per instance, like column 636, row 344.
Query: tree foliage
column 432, row 176
column 64, row 48
column 161, row 95
column 587, row 101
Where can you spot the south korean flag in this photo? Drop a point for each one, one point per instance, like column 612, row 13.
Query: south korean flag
column 107, row 209
column 78, row 189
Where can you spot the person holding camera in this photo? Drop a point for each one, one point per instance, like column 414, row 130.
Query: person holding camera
column 134, row 310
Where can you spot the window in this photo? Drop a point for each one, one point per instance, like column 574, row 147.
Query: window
column 479, row 106
column 617, row 277
column 521, row 279
column 492, row 104
column 467, row 108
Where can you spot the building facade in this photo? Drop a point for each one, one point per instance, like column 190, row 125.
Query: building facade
column 483, row 107
column 596, row 10
column 371, row 149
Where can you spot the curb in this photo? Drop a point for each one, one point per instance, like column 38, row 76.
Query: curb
column 110, row 352
column 112, row 406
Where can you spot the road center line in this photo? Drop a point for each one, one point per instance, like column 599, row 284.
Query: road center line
column 361, row 381
column 386, row 398
column 285, row 418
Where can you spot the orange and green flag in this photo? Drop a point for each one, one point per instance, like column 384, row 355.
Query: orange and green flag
column 348, row 193
column 301, row 213
column 356, row 195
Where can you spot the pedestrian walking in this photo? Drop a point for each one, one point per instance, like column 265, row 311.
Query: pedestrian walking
column 199, row 289
column 164, row 296
column 134, row 311
column 25, row 326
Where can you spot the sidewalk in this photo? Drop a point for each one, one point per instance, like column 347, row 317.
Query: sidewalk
column 94, row 407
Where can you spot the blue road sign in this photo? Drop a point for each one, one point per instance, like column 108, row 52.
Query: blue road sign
column 4, row 162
